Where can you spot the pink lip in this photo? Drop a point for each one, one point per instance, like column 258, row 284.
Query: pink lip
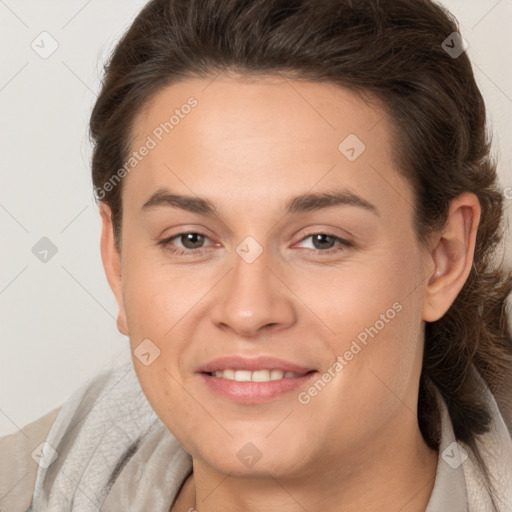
column 252, row 364
column 254, row 392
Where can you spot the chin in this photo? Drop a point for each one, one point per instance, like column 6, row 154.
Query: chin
column 256, row 457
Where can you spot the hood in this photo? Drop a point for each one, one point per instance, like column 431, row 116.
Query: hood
column 115, row 453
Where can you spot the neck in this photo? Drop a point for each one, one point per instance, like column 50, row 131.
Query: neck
column 398, row 475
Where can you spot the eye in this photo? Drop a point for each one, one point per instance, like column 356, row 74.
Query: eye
column 326, row 242
column 191, row 243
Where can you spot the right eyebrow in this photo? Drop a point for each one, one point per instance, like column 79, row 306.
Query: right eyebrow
column 163, row 197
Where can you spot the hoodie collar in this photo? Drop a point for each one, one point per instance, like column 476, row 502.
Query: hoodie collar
column 460, row 482
column 449, row 492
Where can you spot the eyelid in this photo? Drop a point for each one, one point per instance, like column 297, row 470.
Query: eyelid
column 343, row 244
column 168, row 239
column 326, row 230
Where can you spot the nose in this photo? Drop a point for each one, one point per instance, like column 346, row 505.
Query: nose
column 253, row 298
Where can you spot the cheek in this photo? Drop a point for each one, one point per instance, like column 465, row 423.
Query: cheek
column 156, row 309
column 375, row 362
column 368, row 291
column 374, row 315
column 157, row 295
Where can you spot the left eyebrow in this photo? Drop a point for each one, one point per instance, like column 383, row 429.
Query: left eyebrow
column 313, row 202
column 300, row 204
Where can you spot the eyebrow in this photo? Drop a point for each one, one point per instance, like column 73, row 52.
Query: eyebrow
column 303, row 203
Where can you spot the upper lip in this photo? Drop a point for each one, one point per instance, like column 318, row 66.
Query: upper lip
column 251, row 364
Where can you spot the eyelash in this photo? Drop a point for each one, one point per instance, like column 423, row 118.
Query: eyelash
column 343, row 244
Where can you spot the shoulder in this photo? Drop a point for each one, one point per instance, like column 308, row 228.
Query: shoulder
column 18, row 466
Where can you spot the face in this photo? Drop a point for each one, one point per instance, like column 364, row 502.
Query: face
column 259, row 262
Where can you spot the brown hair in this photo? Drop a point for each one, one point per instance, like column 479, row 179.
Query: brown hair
column 386, row 49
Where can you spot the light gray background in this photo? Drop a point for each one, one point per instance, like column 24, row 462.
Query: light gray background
column 58, row 318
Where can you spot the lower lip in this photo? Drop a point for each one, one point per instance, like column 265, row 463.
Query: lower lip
column 250, row 392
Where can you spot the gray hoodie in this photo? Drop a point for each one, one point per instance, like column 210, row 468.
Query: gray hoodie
column 105, row 449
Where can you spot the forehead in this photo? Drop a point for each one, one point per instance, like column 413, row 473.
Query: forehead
column 258, row 106
column 262, row 135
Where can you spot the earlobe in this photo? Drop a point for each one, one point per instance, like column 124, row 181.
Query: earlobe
column 112, row 265
column 452, row 254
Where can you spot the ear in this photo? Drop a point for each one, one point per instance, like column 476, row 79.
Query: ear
column 112, row 265
column 451, row 256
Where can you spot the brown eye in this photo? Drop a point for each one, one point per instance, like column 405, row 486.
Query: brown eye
column 327, row 243
column 191, row 240
column 186, row 244
column 323, row 241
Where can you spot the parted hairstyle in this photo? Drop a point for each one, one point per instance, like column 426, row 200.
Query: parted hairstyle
column 390, row 51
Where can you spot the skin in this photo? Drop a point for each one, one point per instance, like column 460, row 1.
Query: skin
column 249, row 146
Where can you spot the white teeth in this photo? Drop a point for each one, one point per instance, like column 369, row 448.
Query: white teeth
column 242, row 375
column 227, row 374
column 260, row 376
column 256, row 376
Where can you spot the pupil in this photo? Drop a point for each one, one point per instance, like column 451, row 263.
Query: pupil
column 322, row 237
column 194, row 238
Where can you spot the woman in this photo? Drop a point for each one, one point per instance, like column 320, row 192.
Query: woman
column 233, row 140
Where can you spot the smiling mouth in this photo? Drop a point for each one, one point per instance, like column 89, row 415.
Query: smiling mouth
column 254, row 387
column 256, row 375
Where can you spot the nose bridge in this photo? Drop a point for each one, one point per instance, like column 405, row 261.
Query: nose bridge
column 252, row 296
